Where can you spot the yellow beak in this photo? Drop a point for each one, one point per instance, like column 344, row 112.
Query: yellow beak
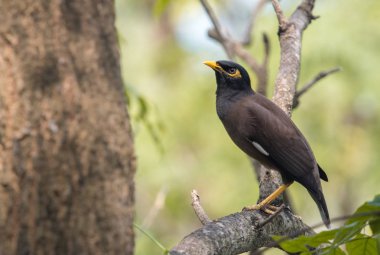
column 213, row 65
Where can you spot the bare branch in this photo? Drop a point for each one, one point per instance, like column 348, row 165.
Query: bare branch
column 262, row 76
column 280, row 15
column 246, row 57
column 158, row 204
column 311, row 83
column 218, row 28
column 238, row 233
column 239, row 50
column 266, row 49
column 198, row 209
column 290, row 61
column 255, row 13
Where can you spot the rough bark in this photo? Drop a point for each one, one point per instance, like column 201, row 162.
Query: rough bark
column 66, row 152
column 238, row 234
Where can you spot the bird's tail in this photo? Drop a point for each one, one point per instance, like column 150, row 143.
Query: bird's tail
column 321, row 203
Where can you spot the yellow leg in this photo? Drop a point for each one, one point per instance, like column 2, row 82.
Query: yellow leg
column 269, row 199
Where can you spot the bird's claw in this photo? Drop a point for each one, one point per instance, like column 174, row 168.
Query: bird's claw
column 269, row 209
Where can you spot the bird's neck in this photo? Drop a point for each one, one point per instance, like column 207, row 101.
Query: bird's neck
column 225, row 98
column 232, row 94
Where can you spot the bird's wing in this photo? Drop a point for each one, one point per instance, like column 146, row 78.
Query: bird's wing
column 277, row 135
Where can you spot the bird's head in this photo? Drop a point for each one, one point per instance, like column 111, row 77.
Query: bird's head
column 230, row 75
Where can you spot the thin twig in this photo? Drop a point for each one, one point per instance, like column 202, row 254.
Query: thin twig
column 271, row 217
column 246, row 57
column 266, row 49
column 218, row 27
column 318, row 77
column 255, row 13
column 158, row 204
column 262, row 76
column 282, row 21
column 311, row 83
column 198, row 209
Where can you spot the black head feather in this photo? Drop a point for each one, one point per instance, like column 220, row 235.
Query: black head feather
column 232, row 76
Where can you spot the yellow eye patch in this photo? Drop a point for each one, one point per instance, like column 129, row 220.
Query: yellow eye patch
column 236, row 74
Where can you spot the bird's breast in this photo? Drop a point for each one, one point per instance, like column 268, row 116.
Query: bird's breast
column 235, row 123
column 223, row 107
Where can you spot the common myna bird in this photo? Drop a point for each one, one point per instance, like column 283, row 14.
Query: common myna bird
column 264, row 132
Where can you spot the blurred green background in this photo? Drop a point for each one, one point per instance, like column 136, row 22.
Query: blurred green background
column 180, row 143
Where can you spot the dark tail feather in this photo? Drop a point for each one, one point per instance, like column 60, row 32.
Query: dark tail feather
column 321, row 203
column 322, row 174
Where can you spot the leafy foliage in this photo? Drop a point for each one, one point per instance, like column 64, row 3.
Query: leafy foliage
column 143, row 112
column 351, row 235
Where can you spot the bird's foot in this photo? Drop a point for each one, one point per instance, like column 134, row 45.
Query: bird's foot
column 269, row 209
column 252, row 207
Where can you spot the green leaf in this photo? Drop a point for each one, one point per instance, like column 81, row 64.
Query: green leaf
column 375, row 201
column 362, row 245
column 160, row 6
column 322, row 237
column 290, row 245
column 375, row 226
column 346, row 232
column 303, row 243
column 294, row 245
column 369, row 209
column 332, row 250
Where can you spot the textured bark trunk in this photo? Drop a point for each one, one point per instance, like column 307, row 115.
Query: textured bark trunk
column 66, row 152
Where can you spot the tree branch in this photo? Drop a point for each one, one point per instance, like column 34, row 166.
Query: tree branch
column 290, row 43
column 311, row 83
column 217, row 27
column 198, row 209
column 280, row 15
column 238, row 233
column 271, row 217
column 158, row 204
column 262, row 77
column 255, row 12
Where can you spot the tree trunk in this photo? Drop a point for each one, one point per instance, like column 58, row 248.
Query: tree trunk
column 66, row 151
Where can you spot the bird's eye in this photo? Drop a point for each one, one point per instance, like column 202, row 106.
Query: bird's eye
column 231, row 70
